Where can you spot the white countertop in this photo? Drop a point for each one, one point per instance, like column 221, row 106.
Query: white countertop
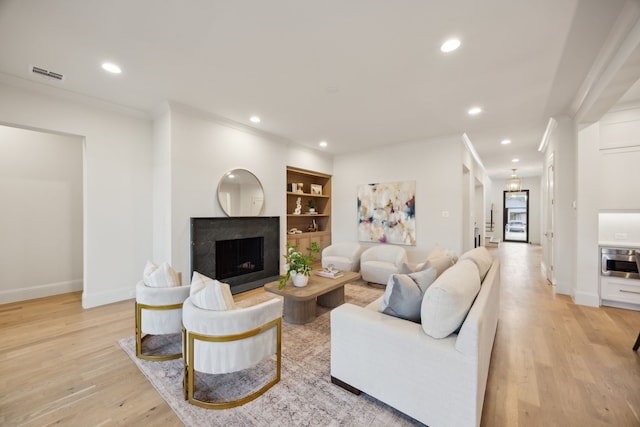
column 619, row 244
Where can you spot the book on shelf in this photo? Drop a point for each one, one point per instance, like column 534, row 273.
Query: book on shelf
column 331, row 274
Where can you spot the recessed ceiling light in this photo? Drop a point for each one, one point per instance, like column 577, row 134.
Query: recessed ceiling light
column 112, row 68
column 505, row 141
column 515, row 160
column 255, row 119
column 323, row 144
column 475, row 110
column 450, row 45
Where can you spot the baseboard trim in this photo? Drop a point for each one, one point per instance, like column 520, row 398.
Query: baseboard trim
column 40, row 291
column 345, row 386
column 90, row 300
column 588, row 299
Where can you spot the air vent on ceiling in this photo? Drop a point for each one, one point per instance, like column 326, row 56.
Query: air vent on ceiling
column 47, row 74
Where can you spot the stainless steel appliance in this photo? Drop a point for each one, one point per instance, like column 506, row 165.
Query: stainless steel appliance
column 620, row 262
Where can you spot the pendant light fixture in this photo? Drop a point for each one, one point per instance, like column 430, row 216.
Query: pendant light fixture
column 514, row 184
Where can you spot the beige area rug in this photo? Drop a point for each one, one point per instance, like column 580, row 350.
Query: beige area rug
column 304, row 396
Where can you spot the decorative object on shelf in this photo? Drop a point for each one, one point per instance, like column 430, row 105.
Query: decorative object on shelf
column 386, row 213
column 514, row 184
column 314, row 226
column 298, row 264
column 300, row 187
column 294, row 231
column 316, row 189
column 298, row 210
column 312, row 206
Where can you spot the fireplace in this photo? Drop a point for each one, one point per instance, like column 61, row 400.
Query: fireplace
column 240, row 251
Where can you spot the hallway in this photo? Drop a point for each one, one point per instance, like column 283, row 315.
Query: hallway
column 555, row 363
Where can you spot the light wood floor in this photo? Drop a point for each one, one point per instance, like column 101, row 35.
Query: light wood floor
column 553, row 364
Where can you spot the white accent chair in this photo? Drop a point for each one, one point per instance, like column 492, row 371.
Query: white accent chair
column 225, row 341
column 379, row 262
column 158, row 312
column 344, row 256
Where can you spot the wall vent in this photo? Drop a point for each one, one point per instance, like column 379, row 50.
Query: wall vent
column 46, row 73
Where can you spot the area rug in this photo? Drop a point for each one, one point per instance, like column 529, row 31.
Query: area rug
column 304, row 396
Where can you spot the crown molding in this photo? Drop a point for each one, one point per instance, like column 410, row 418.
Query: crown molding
column 70, row 96
column 205, row 115
column 472, row 150
column 546, row 137
column 609, row 76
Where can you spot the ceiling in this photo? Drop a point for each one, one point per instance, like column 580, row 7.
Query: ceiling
column 357, row 74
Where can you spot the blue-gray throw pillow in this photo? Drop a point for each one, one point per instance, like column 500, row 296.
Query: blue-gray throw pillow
column 404, row 292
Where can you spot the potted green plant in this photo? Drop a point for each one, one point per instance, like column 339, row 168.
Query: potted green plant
column 312, row 206
column 298, row 265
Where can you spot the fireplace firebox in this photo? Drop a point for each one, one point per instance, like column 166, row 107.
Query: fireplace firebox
column 240, row 251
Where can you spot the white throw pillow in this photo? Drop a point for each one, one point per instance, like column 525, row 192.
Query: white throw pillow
column 198, row 282
column 162, row 276
column 149, row 268
column 446, row 303
column 211, row 294
column 436, row 252
column 403, row 294
column 481, row 257
column 440, row 263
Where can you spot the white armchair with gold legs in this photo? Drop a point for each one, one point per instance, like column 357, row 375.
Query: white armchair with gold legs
column 225, row 341
column 158, row 312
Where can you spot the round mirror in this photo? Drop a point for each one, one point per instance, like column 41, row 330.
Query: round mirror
column 240, row 193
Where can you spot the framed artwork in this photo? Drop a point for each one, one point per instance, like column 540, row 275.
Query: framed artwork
column 386, row 213
column 316, row 189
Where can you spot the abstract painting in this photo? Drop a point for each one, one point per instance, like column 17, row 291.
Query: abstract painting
column 386, row 213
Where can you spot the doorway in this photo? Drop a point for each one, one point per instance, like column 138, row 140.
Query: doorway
column 41, row 220
column 516, row 216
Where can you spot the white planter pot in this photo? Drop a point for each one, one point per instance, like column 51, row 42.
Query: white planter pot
column 299, row 280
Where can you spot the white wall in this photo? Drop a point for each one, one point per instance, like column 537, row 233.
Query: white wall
column 117, row 181
column 435, row 165
column 162, row 183
column 203, row 149
column 562, row 146
column 41, row 215
column 586, row 289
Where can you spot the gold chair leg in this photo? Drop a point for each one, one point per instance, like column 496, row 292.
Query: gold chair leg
column 138, row 325
column 188, row 378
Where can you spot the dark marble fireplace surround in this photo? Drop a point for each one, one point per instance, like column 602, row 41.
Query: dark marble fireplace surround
column 205, row 232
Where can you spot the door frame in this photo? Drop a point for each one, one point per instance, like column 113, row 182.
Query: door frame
column 505, row 218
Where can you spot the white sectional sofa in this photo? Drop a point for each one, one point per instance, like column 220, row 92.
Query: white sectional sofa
column 438, row 381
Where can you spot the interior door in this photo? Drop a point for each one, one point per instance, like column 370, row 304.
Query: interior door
column 547, row 248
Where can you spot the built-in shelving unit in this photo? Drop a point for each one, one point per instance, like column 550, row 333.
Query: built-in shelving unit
column 308, row 186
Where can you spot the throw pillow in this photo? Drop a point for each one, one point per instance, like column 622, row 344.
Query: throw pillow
column 446, row 303
column 198, row 282
column 403, row 294
column 211, row 294
column 481, row 257
column 149, row 268
column 436, row 252
column 162, row 276
column 440, row 263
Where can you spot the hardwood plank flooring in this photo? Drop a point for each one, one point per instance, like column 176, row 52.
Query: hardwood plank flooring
column 554, row 363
